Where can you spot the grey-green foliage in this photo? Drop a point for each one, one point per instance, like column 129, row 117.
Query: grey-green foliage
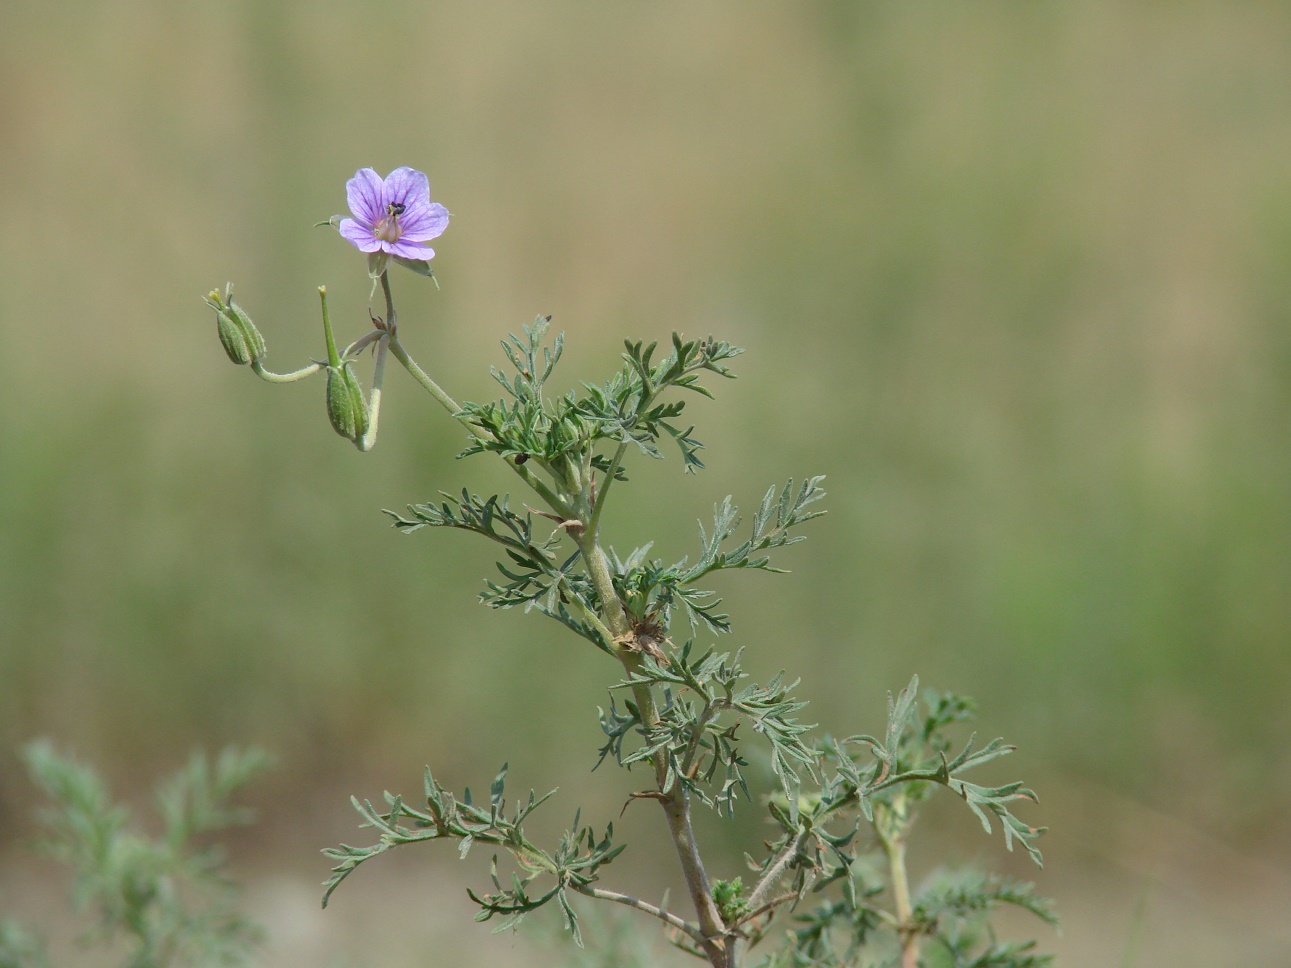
column 705, row 700
column 166, row 899
column 567, row 436
column 843, row 808
column 625, row 409
column 573, row 864
column 649, row 588
column 954, row 911
column 844, row 847
column 533, row 575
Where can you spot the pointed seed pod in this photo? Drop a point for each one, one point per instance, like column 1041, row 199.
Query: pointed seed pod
column 345, row 405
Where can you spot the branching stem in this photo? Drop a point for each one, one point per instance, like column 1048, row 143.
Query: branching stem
column 592, row 619
column 594, row 523
column 554, row 501
column 348, row 353
column 706, row 716
column 598, row 570
column 770, row 905
column 717, row 945
column 417, row 372
column 577, row 501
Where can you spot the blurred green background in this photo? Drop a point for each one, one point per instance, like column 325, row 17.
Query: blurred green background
column 1015, row 276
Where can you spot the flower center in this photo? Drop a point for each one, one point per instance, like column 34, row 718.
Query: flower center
column 389, row 229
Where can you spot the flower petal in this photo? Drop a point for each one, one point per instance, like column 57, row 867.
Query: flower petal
column 407, row 187
column 424, row 223
column 363, row 192
column 358, row 235
column 409, row 250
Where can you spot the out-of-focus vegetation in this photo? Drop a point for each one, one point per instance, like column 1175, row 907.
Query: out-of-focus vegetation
column 161, row 901
column 1022, row 270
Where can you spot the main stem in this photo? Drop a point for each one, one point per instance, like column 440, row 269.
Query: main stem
column 892, row 835
column 718, row 947
column 575, row 501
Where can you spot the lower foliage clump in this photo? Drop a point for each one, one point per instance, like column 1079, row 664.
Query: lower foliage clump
column 163, row 901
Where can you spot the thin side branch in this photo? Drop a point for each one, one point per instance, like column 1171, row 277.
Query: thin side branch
column 685, row 927
column 776, row 870
column 759, row 911
column 710, row 712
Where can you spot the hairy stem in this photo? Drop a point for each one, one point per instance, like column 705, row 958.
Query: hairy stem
column 598, row 570
column 431, row 387
column 369, row 438
column 591, row 618
column 892, row 829
column 594, row 522
column 348, row 353
column 616, row 619
column 556, row 502
column 776, row 869
column 270, row 377
column 719, row 947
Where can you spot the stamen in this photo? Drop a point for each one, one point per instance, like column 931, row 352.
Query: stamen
column 389, row 229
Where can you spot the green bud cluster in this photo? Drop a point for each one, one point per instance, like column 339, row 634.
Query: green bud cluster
column 238, row 335
column 730, row 899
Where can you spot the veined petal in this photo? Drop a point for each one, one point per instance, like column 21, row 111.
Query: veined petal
column 407, row 187
column 423, row 223
column 358, row 235
column 364, row 192
column 409, row 250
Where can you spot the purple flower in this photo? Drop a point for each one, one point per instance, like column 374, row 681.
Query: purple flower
column 395, row 216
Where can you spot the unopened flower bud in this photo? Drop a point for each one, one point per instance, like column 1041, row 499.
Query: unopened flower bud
column 234, row 340
column 346, row 407
column 255, row 341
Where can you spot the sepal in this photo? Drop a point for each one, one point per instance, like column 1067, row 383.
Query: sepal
column 378, row 262
column 419, row 266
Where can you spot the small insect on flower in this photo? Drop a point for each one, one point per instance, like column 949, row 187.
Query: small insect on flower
column 393, row 215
